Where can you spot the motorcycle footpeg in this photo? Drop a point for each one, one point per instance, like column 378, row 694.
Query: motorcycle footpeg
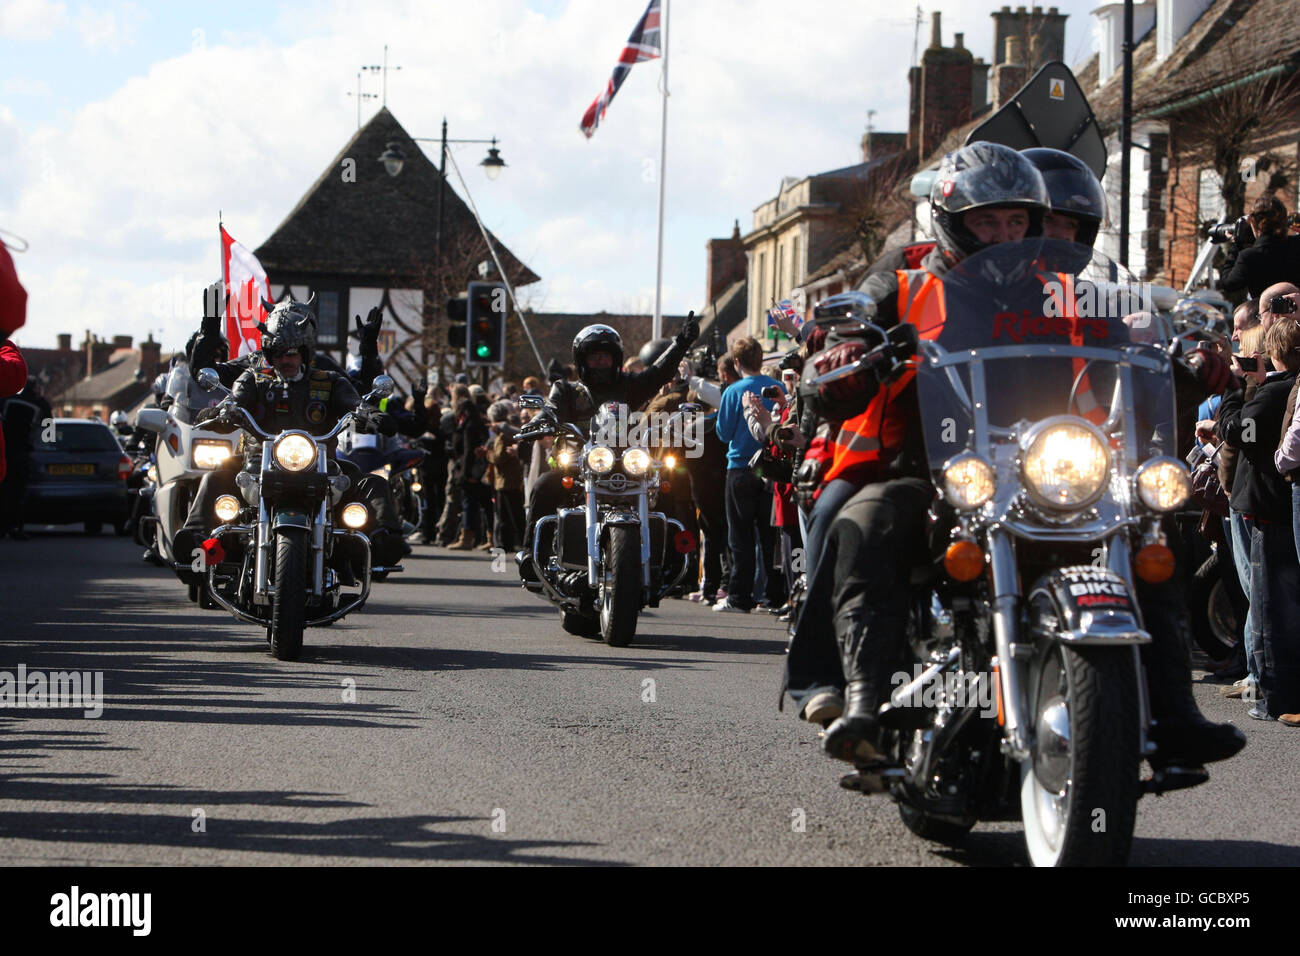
column 386, row 568
column 870, row 778
column 1175, row 777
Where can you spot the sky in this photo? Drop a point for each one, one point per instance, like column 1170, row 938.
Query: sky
column 126, row 127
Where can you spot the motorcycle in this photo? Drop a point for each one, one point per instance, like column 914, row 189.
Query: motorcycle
column 277, row 559
column 603, row 561
column 183, row 453
column 1047, row 410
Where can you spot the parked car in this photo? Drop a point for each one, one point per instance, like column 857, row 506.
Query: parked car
column 80, row 476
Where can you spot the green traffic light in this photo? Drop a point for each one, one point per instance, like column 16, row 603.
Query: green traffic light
column 482, row 351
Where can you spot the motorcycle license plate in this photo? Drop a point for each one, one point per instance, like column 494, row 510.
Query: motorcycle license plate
column 71, row 469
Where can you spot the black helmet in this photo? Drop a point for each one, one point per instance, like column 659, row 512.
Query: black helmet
column 289, row 325
column 651, row 351
column 977, row 176
column 591, row 339
column 1072, row 190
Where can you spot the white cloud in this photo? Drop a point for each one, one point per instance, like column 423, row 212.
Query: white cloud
column 22, row 86
column 121, row 194
column 31, row 19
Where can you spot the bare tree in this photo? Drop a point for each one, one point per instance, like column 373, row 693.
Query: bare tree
column 874, row 206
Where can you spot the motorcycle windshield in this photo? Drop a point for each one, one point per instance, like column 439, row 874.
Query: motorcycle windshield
column 1030, row 330
column 188, row 397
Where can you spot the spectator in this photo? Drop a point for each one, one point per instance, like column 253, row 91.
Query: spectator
column 507, row 478
column 1253, row 426
column 1245, row 316
column 1274, row 257
column 710, row 393
column 1269, row 303
column 23, row 415
column 449, row 523
column 747, row 499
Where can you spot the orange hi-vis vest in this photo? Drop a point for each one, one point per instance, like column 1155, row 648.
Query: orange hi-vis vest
column 875, row 436
column 1085, row 401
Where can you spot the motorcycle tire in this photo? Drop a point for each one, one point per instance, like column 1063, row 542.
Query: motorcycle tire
column 931, row 828
column 1090, row 820
column 1215, row 625
column 620, row 595
column 579, row 624
column 289, row 607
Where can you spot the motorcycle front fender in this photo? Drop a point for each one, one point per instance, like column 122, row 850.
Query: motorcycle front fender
column 1095, row 605
column 290, row 518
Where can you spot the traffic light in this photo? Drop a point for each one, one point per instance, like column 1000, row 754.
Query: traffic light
column 486, row 324
column 457, row 309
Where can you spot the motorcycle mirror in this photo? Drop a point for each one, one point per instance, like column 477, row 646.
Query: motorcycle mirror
column 531, row 401
column 208, row 379
column 382, row 386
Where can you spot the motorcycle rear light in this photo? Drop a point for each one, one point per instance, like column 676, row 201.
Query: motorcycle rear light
column 567, row 481
column 665, row 486
column 123, row 468
column 964, row 561
column 1154, row 564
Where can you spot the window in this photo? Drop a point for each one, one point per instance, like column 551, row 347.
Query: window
column 1209, row 196
column 796, row 266
column 327, row 317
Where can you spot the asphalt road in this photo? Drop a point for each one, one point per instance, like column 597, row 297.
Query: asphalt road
column 452, row 721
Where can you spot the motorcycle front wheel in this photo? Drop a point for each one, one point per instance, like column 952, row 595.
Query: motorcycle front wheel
column 289, row 607
column 1079, row 789
column 620, row 594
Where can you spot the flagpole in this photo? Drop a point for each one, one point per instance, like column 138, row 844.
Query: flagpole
column 657, row 327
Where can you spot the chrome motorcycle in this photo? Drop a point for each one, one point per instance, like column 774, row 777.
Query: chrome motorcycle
column 1047, row 404
column 287, row 546
column 605, row 559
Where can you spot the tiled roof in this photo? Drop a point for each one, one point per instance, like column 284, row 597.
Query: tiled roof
column 377, row 225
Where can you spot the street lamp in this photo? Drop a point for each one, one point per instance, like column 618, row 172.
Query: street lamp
column 393, row 158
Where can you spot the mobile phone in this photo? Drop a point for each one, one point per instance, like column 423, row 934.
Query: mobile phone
column 1248, row 363
column 773, row 392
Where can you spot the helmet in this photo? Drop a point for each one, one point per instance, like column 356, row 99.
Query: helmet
column 119, row 421
column 289, row 325
column 597, row 338
column 651, row 351
column 1072, row 189
column 160, row 386
column 977, row 176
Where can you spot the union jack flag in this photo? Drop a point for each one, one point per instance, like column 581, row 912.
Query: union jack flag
column 785, row 307
column 642, row 45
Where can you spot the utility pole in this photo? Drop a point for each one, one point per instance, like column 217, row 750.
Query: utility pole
column 1126, row 134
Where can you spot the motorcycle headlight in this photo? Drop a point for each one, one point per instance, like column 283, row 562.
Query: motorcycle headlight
column 355, row 516
column 636, row 461
column 1066, row 464
column 227, row 507
column 564, row 459
column 670, row 462
column 600, row 459
column 295, row 453
column 210, row 454
column 1163, row 484
column 968, row 482
column 417, row 487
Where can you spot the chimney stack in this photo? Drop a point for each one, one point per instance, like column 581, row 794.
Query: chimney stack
column 936, row 31
column 941, row 93
column 727, row 263
column 121, row 341
column 97, row 352
column 65, row 342
column 150, row 358
column 1009, row 76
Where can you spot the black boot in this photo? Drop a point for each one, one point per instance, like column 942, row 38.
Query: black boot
column 1182, row 734
column 855, row 735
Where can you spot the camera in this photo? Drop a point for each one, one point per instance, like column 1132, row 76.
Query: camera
column 1282, row 305
column 791, row 360
column 774, row 392
column 1239, row 233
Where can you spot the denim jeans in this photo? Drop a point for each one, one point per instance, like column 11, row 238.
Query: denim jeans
column 1239, row 534
column 812, row 662
column 1275, row 599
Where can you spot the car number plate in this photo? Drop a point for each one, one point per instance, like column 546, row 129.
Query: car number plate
column 71, row 469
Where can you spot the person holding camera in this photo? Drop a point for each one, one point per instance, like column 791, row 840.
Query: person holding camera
column 1271, row 258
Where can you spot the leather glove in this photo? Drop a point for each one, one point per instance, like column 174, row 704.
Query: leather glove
column 384, row 423
column 206, row 415
column 211, row 324
column 690, row 331
column 368, row 331
column 849, row 396
column 418, row 391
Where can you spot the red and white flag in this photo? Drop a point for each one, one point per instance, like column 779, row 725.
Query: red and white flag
column 246, row 286
column 642, row 45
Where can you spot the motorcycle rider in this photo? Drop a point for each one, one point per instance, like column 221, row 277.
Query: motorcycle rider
column 294, row 394
column 598, row 360
column 984, row 194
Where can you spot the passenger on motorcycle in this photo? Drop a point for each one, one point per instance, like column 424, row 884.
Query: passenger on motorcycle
column 984, row 194
column 294, row 395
